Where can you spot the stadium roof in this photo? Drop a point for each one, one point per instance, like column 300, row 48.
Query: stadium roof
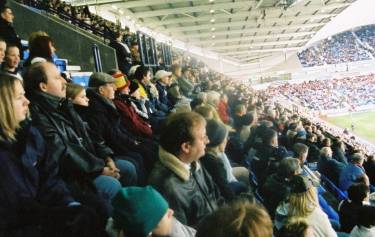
column 247, row 34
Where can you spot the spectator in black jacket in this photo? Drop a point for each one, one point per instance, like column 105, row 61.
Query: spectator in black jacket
column 7, row 31
column 123, row 54
column 33, row 196
column 348, row 209
column 328, row 166
column 217, row 134
column 83, row 162
column 108, row 125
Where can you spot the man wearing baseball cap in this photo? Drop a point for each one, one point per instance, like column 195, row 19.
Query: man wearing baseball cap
column 162, row 82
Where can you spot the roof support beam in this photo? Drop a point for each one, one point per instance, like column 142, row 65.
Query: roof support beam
column 237, row 46
column 209, row 40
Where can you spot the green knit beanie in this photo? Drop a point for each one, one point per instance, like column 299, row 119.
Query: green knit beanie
column 138, row 210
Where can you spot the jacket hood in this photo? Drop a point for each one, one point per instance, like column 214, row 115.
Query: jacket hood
column 175, row 165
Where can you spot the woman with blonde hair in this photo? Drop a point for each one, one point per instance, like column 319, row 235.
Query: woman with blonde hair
column 237, row 219
column 303, row 203
column 31, row 189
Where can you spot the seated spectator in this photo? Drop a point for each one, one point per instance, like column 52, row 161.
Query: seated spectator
column 296, row 228
column 303, row 203
column 144, row 212
column 108, row 125
column 276, row 188
column 314, row 152
column 223, row 109
column 352, row 171
column 369, row 166
column 339, row 152
column 237, row 219
column 178, row 175
column 366, row 224
column 33, row 196
column 217, row 135
column 301, row 151
column 41, row 47
column 162, row 82
column 12, row 59
column 77, row 94
column 349, row 209
column 266, row 154
column 328, row 166
column 81, row 160
column 185, row 85
column 129, row 117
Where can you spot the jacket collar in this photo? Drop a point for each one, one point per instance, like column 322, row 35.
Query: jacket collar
column 52, row 102
column 171, row 162
column 97, row 98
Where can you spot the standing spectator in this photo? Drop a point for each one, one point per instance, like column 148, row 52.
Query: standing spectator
column 42, row 47
column 123, row 54
column 7, row 31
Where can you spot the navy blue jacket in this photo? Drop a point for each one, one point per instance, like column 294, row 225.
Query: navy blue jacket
column 28, row 179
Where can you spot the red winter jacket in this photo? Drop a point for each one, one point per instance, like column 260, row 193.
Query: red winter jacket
column 131, row 119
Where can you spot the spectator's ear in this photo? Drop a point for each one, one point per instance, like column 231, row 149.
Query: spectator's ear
column 185, row 147
column 43, row 86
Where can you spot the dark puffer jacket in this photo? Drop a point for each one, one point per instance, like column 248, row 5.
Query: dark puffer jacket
column 28, row 178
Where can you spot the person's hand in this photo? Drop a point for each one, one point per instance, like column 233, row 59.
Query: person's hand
column 114, row 171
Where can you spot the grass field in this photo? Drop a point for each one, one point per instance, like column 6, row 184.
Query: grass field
column 364, row 124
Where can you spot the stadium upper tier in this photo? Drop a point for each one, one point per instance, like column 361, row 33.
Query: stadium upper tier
column 347, row 93
column 349, row 46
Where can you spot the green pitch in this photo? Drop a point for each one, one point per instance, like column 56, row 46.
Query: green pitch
column 364, row 124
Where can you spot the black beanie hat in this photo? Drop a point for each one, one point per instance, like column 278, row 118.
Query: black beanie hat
column 216, row 132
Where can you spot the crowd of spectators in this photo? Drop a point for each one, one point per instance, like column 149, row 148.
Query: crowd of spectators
column 168, row 153
column 347, row 93
column 341, row 48
column 367, row 35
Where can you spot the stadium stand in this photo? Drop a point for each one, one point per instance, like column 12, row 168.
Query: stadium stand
column 176, row 149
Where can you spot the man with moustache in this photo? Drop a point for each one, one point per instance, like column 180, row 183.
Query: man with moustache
column 84, row 161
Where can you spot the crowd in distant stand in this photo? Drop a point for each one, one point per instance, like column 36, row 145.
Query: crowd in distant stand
column 138, row 154
column 349, row 46
column 346, row 93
